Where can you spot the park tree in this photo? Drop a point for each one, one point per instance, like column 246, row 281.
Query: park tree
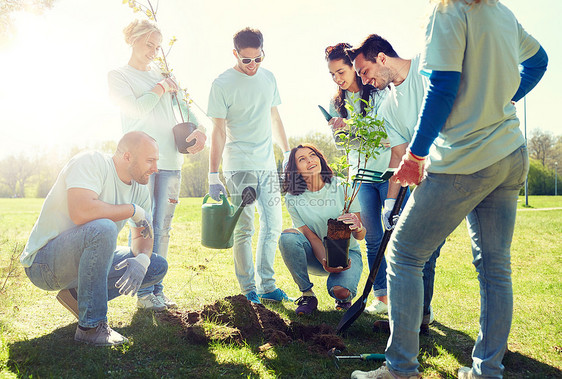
column 15, row 172
column 9, row 7
column 542, row 147
column 194, row 174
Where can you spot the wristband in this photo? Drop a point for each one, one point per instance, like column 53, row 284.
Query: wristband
column 134, row 210
column 161, row 86
column 410, row 154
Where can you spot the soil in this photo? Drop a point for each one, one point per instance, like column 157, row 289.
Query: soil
column 337, row 230
column 236, row 320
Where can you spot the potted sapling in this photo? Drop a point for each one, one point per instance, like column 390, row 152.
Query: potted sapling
column 363, row 134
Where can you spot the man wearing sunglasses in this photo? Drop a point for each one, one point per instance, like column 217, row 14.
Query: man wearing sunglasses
column 243, row 104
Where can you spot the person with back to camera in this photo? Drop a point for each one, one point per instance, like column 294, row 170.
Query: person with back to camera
column 72, row 247
column 314, row 195
column 371, row 195
column 477, row 166
column 145, row 98
column 243, row 104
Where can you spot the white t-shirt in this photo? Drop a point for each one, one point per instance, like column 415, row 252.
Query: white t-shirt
column 402, row 106
column 380, row 162
column 485, row 43
column 313, row 209
column 89, row 170
column 145, row 111
column 245, row 102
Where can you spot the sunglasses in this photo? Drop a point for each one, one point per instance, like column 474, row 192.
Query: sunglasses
column 340, row 46
column 250, row 60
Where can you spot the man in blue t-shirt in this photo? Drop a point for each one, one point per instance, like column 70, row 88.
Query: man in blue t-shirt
column 243, row 105
column 72, row 247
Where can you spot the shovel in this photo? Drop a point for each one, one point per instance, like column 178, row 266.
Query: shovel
column 357, row 308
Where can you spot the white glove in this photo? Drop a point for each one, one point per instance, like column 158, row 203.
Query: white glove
column 131, row 280
column 387, row 210
column 215, row 186
column 141, row 221
column 286, row 155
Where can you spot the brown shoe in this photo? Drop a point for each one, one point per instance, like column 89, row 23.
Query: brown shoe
column 383, row 326
column 69, row 299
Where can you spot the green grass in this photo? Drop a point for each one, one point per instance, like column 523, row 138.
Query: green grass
column 36, row 332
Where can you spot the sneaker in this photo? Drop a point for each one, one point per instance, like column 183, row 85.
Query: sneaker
column 150, row 301
column 466, row 373
column 169, row 303
column 69, row 299
column 376, row 307
column 381, row 373
column 381, row 326
column 343, row 305
column 102, row 335
column 276, row 296
column 306, row 305
column 426, row 321
column 253, row 297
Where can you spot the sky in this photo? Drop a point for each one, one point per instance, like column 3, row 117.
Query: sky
column 54, row 91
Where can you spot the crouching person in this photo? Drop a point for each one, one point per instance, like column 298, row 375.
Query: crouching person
column 72, row 247
column 314, row 195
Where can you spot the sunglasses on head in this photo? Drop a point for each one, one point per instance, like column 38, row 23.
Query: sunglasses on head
column 250, row 60
column 339, row 46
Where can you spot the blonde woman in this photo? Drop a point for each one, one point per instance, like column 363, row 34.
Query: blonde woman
column 144, row 96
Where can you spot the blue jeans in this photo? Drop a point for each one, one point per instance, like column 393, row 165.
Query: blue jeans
column 301, row 261
column 488, row 200
column 164, row 188
column 268, row 204
column 84, row 257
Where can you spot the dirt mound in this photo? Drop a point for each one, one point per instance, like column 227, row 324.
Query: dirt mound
column 234, row 319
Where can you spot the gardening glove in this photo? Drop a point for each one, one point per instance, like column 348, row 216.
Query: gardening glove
column 131, row 280
column 410, row 171
column 215, row 186
column 286, row 155
column 352, row 220
column 168, row 85
column 386, row 211
column 141, row 221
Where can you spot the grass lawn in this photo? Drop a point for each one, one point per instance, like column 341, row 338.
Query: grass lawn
column 36, row 338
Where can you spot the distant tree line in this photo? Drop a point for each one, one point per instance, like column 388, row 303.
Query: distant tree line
column 24, row 176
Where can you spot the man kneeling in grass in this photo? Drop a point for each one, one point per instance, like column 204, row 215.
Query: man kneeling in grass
column 72, row 247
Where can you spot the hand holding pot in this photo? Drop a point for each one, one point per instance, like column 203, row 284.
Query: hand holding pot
column 199, row 138
column 352, row 220
column 335, row 270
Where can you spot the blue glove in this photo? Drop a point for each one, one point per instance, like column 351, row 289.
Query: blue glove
column 131, row 280
column 286, row 155
column 386, row 211
column 215, row 186
column 141, row 221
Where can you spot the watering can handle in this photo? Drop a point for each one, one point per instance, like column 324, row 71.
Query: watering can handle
column 224, row 200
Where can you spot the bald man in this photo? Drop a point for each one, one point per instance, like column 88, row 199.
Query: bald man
column 72, row 247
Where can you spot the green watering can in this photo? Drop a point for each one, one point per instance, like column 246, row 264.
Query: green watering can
column 219, row 220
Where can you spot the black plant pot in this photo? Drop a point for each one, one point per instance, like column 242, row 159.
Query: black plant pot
column 181, row 132
column 337, row 252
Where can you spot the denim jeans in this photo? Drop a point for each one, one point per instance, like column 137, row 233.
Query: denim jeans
column 301, row 261
column 268, row 204
column 164, row 188
column 84, row 257
column 488, row 200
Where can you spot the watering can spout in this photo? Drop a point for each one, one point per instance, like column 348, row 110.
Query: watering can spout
column 219, row 220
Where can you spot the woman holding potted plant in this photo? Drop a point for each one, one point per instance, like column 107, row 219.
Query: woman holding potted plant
column 314, row 195
column 363, row 99
column 146, row 96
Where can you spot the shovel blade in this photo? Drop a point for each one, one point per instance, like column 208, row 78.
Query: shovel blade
column 351, row 315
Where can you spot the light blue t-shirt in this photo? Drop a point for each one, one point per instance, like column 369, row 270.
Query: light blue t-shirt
column 145, row 111
column 485, row 43
column 245, row 103
column 379, row 162
column 90, row 170
column 313, row 209
column 402, row 106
